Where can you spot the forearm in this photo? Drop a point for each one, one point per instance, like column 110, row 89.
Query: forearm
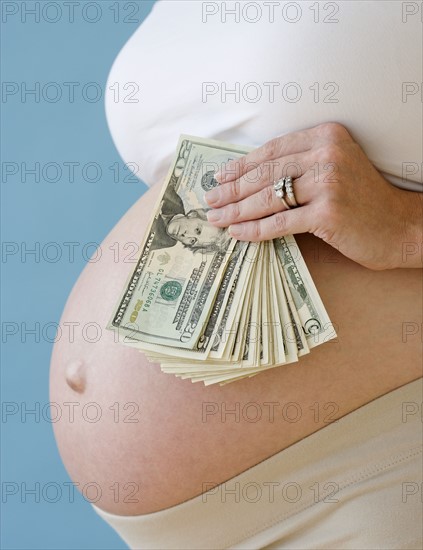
column 411, row 244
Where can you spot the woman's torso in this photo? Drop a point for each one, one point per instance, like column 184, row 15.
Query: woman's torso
column 188, row 434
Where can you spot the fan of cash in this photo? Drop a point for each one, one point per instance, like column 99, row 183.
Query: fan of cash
column 204, row 305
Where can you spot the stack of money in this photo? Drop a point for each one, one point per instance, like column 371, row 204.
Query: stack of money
column 204, row 305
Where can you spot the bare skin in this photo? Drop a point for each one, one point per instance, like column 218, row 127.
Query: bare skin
column 176, row 447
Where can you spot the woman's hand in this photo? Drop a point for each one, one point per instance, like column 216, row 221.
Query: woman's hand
column 343, row 199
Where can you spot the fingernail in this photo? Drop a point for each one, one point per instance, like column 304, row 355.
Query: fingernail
column 235, row 230
column 211, row 196
column 213, row 215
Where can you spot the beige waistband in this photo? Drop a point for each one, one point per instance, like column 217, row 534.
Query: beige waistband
column 318, row 469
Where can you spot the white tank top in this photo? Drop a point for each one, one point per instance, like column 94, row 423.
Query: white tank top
column 245, row 72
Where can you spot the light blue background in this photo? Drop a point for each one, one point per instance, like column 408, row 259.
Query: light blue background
column 47, row 212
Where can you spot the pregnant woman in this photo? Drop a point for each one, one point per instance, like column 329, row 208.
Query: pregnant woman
column 325, row 453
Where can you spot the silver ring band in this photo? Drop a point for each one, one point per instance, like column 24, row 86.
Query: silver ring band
column 279, row 187
column 289, row 190
column 284, row 190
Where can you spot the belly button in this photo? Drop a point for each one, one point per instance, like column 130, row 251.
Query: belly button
column 75, row 374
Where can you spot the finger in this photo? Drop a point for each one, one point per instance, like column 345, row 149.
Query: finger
column 295, row 142
column 258, row 178
column 261, row 204
column 288, row 222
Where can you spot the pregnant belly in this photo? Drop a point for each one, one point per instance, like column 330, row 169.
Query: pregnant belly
column 150, row 441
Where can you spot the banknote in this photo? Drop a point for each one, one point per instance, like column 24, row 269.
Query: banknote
column 169, row 296
column 204, row 306
column 314, row 319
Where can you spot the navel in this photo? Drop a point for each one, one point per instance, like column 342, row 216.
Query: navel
column 75, row 374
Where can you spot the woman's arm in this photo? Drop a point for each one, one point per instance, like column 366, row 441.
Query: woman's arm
column 343, row 199
column 412, row 244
